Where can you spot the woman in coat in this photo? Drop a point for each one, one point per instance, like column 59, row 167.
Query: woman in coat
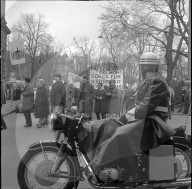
column 112, row 94
column 99, row 94
column 42, row 103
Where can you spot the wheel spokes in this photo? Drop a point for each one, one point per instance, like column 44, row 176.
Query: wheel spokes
column 39, row 162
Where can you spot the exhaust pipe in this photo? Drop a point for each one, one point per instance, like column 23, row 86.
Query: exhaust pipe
column 178, row 183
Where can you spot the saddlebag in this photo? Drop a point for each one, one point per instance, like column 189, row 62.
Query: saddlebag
column 161, row 163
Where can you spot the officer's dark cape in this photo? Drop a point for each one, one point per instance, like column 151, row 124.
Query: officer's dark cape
column 107, row 140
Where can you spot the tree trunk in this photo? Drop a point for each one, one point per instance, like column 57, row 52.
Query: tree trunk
column 169, row 73
column 32, row 67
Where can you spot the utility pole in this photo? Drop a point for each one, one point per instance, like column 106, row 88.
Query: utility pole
column 189, row 48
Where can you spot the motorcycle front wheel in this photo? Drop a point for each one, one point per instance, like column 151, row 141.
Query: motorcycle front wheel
column 34, row 167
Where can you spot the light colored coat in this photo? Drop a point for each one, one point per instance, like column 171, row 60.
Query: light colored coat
column 70, row 95
column 28, row 98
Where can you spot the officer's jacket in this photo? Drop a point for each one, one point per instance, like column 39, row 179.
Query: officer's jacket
column 152, row 98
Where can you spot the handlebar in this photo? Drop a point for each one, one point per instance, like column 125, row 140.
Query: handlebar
column 71, row 117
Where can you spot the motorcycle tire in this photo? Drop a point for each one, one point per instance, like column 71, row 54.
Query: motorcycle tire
column 22, row 170
column 186, row 152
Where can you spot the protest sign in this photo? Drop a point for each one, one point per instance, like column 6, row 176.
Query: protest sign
column 17, row 52
column 105, row 76
column 74, row 79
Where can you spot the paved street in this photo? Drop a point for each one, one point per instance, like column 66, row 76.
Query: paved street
column 15, row 139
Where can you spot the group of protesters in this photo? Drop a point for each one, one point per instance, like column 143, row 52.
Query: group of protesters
column 105, row 101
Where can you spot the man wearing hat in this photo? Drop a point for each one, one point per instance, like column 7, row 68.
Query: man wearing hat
column 28, row 101
column 85, row 97
column 57, row 94
column 148, row 129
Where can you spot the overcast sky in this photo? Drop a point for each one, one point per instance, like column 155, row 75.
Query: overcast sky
column 66, row 18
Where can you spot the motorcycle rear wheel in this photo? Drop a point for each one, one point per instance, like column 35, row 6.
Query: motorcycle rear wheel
column 183, row 154
column 39, row 179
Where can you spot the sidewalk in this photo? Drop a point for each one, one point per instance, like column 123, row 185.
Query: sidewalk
column 8, row 107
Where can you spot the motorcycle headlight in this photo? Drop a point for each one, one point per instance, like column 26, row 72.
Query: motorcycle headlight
column 74, row 110
column 52, row 118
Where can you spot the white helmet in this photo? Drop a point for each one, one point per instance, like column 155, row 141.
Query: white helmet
column 149, row 58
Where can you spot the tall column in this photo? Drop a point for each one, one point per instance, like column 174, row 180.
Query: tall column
column 189, row 48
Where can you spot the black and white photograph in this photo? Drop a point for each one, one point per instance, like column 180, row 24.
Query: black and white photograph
column 95, row 94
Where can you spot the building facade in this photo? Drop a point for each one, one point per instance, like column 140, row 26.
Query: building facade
column 4, row 32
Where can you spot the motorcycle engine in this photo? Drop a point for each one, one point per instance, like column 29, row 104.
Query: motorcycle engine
column 109, row 174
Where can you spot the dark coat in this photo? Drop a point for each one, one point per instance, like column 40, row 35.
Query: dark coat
column 88, row 93
column 105, row 102
column 98, row 102
column 17, row 94
column 76, row 94
column 57, row 95
column 42, row 102
column 128, row 100
column 152, row 92
column 3, row 99
column 69, row 88
column 108, row 140
column 28, row 98
column 114, row 101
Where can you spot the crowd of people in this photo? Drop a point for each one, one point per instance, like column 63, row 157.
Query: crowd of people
column 105, row 101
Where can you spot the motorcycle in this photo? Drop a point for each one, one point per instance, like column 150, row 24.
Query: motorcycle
column 58, row 164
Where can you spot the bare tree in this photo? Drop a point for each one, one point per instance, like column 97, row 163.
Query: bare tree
column 33, row 29
column 146, row 18
column 84, row 49
column 125, row 44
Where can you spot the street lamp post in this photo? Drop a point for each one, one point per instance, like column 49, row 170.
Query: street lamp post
column 189, row 48
column 17, row 53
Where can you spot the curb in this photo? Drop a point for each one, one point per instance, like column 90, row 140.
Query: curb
column 4, row 114
column 179, row 114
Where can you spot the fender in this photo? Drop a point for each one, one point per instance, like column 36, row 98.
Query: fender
column 182, row 141
column 49, row 143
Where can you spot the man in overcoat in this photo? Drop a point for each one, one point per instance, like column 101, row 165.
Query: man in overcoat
column 27, row 101
column 85, row 97
column 70, row 95
column 99, row 95
column 57, row 94
column 152, row 101
column 152, row 95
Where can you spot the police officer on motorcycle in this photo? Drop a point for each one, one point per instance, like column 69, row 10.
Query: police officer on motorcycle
column 152, row 95
column 152, row 100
